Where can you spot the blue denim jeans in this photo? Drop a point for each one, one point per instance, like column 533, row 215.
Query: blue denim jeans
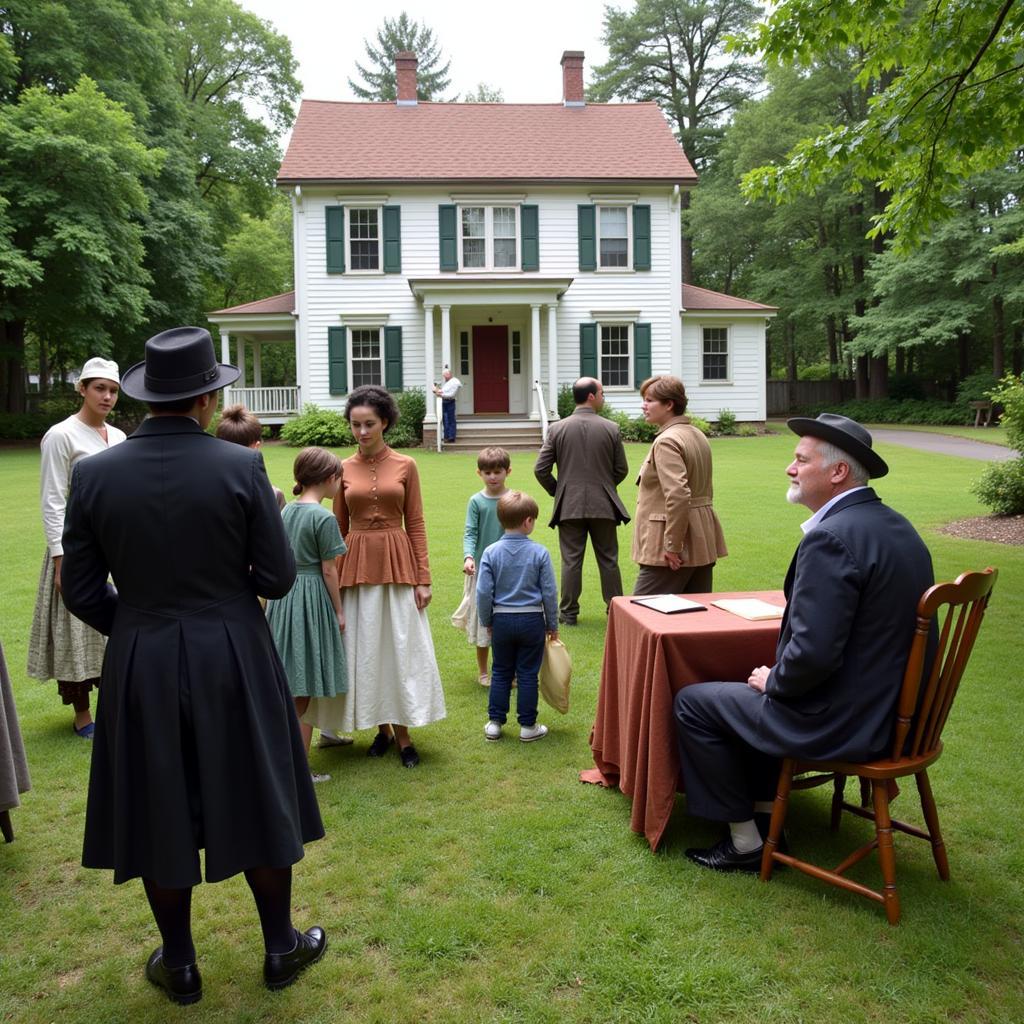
column 448, row 419
column 517, row 649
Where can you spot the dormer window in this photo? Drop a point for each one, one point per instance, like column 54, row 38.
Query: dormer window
column 489, row 237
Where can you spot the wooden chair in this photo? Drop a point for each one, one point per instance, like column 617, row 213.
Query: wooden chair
column 921, row 713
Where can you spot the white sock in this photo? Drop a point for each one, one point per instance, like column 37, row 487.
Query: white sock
column 763, row 806
column 745, row 837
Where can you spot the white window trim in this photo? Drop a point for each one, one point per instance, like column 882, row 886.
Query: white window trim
column 628, row 268
column 489, row 266
column 371, row 271
column 351, row 356
column 630, row 341
column 711, row 382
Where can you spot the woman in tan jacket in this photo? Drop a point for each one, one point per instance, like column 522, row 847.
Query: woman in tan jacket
column 677, row 537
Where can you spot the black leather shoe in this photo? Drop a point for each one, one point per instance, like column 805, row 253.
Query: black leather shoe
column 723, row 856
column 183, row 985
column 567, row 620
column 379, row 746
column 409, row 756
column 281, row 969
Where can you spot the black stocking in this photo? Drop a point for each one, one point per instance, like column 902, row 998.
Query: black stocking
column 272, row 891
column 172, row 909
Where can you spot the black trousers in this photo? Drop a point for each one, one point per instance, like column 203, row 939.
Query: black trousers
column 660, row 579
column 572, row 542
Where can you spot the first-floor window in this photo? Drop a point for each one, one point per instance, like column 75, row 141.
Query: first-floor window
column 464, row 353
column 366, row 361
column 517, row 352
column 614, row 356
column 716, row 353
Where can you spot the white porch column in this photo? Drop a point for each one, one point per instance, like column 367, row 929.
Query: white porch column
column 446, row 336
column 535, row 373
column 553, row 359
column 225, row 357
column 428, row 362
column 240, row 359
column 257, row 364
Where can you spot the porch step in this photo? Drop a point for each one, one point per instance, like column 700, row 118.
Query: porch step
column 475, row 433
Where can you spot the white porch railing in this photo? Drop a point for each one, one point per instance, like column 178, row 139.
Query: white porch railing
column 542, row 409
column 439, row 413
column 267, row 401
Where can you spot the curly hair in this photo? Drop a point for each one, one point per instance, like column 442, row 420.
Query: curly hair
column 378, row 399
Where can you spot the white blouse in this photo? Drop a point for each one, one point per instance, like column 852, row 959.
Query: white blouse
column 62, row 446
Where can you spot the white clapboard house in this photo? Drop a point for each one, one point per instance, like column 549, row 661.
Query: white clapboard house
column 523, row 245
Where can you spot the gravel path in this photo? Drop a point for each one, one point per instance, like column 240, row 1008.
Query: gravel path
column 944, row 444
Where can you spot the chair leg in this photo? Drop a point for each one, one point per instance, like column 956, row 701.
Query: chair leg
column 886, row 850
column 6, row 829
column 865, row 792
column 931, row 817
column 779, row 808
column 838, row 787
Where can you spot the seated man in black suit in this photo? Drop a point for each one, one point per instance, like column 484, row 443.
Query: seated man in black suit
column 852, row 591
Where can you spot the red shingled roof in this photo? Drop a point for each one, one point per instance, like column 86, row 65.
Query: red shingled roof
column 703, row 298
column 464, row 142
column 283, row 303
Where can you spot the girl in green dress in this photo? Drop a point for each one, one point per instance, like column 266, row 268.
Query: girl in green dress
column 307, row 624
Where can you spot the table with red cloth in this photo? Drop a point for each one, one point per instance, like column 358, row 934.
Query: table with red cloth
column 648, row 657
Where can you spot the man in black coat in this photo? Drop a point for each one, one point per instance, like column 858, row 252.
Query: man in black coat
column 591, row 461
column 197, row 745
column 852, row 591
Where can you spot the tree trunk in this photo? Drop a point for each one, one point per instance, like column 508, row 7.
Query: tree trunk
column 44, row 370
column 1018, row 349
column 998, row 337
column 833, row 347
column 861, row 377
column 963, row 356
column 791, row 352
column 901, row 361
column 12, row 364
column 879, row 381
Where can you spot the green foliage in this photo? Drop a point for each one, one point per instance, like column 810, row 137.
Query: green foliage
column 1001, row 487
column 746, row 430
column 887, row 410
column 977, row 387
column 1010, row 394
column 484, row 93
column 566, row 403
column 701, row 424
column 23, row 426
column 944, row 82
column 726, row 422
column 316, row 426
column 631, row 428
column 394, row 36
column 815, row 371
column 412, row 407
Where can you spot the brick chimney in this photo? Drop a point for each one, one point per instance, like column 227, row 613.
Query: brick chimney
column 405, row 76
column 572, row 78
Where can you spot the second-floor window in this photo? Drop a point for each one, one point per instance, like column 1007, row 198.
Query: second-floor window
column 489, row 237
column 364, row 237
column 613, row 223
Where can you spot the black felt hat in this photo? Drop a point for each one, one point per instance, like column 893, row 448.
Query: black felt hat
column 844, row 433
column 179, row 363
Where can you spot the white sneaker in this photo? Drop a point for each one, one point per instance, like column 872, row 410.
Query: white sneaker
column 320, row 778
column 492, row 730
column 330, row 739
column 529, row 733
column 484, row 679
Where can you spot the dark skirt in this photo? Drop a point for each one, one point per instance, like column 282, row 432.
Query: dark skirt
column 197, row 746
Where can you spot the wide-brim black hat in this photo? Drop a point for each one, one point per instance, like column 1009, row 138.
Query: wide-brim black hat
column 179, row 363
column 844, row 433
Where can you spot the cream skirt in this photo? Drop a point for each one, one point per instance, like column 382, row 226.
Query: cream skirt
column 465, row 616
column 392, row 669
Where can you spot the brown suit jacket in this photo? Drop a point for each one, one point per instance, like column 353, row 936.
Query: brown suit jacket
column 591, row 461
column 673, row 509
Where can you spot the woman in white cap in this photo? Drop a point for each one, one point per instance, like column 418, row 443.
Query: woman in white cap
column 62, row 647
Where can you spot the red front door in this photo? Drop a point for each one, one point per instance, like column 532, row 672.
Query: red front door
column 490, row 369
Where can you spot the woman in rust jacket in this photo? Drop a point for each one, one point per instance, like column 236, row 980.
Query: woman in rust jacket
column 677, row 537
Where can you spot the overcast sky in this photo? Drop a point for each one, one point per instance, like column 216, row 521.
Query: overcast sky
column 515, row 48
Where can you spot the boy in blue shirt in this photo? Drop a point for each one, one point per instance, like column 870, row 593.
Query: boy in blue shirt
column 518, row 602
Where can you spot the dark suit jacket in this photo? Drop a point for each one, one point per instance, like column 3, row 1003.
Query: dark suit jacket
column 852, row 591
column 591, row 461
column 194, row 716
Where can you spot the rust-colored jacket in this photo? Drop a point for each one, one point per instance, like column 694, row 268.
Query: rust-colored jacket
column 673, row 509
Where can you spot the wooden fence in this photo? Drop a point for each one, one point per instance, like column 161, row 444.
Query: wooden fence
column 786, row 396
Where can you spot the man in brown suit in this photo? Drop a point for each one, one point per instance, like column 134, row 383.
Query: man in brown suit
column 591, row 461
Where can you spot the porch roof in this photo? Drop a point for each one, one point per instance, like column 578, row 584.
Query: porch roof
column 488, row 289
column 271, row 319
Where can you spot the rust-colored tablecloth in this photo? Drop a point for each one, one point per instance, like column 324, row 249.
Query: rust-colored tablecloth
column 648, row 656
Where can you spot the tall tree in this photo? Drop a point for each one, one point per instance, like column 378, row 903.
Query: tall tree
column 945, row 79
column 675, row 54
column 484, row 93
column 394, row 36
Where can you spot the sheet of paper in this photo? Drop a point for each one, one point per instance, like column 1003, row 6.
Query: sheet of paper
column 752, row 608
column 669, row 604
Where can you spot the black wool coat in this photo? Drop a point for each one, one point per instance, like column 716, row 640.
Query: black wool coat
column 197, row 744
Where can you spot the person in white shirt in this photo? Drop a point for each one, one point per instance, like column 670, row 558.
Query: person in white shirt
column 447, row 392
column 62, row 647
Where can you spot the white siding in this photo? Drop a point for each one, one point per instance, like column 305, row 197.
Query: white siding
column 744, row 392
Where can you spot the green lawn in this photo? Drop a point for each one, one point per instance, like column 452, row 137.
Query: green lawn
column 490, row 885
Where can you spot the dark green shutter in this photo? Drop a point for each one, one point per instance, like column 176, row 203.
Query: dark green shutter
column 393, row 358
column 337, row 360
column 528, row 231
column 392, row 239
column 335, row 239
column 641, row 238
column 446, row 224
column 588, row 350
column 641, row 353
column 587, row 229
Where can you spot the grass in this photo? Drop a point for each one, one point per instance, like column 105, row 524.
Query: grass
column 489, row 885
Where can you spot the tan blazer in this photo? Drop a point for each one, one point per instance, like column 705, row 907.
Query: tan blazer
column 588, row 451
column 673, row 509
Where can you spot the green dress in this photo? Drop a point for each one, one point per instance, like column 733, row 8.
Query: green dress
column 303, row 623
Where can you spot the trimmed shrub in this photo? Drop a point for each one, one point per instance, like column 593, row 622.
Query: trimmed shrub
column 23, row 426
column 887, row 410
column 566, row 404
column 316, row 426
column 412, row 407
column 726, row 422
column 1001, row 487
column 701, row 424
column 1010, row 395
column 746, row 430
